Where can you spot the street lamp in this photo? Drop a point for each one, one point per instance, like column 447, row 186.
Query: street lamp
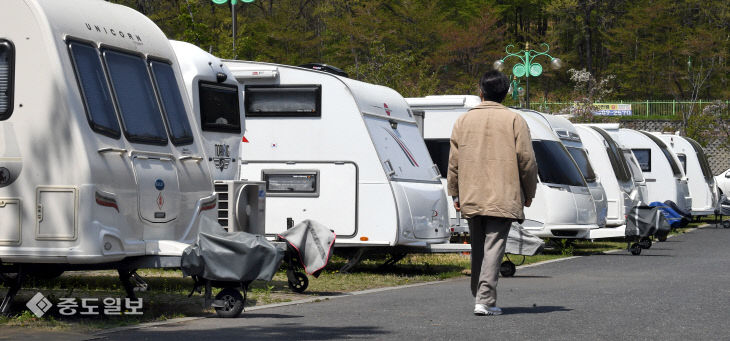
column 233, row 18
column 527, row 68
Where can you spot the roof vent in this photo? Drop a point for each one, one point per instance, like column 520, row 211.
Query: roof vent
column 325, row 68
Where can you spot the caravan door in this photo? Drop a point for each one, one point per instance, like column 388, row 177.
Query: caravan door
column 416, row 182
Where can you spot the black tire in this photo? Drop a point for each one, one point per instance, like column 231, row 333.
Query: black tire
column 301, row 284
column 507, row 269
column 635, row 249
column 662, row 237
column 726, row 224
column 232, row 303
column 645, row 243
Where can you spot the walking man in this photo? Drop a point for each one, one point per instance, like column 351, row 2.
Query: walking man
column 492, row 175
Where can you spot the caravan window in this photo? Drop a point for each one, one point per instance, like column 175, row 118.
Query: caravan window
column 7, row 64
column 289, row 101
column 683, row 160
column 644, row 158
column 94, row 88
column 554, row 164
column 633, row 167
column 439, row 150
column 618, row 163
column 172, row 103
column 219, row 107
column 140, row 112
column 675, row 167
column 704, row 165
column 581, row 159
column 301, row 183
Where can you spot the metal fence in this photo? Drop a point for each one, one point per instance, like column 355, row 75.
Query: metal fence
column 640, row 108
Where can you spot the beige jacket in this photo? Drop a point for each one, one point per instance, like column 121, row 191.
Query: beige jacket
column 492, row 167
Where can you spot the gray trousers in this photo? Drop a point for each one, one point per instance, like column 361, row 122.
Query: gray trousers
column 488, row 241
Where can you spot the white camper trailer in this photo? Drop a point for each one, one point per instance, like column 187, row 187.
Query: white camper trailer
column 98, row 159
column 642, row 192
column 563, row 206
column 699, row 176
column 613, row 170
column 345, row 153
column 436, row 116
column 561, row 183
column 217, row 101
column 665, row 179
column 571, row 140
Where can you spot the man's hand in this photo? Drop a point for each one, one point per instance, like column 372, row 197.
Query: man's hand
column 457, row 207
column 528, row 202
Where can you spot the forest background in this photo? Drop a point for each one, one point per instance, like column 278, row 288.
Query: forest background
column 645, row 49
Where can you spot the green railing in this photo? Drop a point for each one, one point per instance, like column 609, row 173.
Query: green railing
column 639, row 108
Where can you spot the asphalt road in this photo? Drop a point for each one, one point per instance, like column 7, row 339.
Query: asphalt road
column 677, row 290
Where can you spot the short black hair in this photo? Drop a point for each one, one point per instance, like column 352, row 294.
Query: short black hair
column 494, row 86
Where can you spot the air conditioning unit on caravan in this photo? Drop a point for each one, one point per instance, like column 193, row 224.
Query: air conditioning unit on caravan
column 241, row 205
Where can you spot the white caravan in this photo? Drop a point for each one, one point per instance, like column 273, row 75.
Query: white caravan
column 345, row 153
column 217, row 101
column 563, row 206
column 571, row 140
column 98, row 161
column 436, row 116
column 664, row 177
column 612, row 168
column 699, row 176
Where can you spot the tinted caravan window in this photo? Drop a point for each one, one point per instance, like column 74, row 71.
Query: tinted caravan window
column 7, row 64
column 683, row 160
column 94, row 88
column 618, row 163
column 439, row 150
column 675, row 167
column 633, row 167
column 172, row 103
column 140, row 113
column 288, row 101
column 581, row 159
column 704, row 165
column 219, row 107
column 554, row 164
column 644, row 158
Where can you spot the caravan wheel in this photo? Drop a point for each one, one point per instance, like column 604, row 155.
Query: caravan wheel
column 232, row 303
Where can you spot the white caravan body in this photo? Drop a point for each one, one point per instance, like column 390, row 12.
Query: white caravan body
column 564, row 209
column 613, row 169
column 699, row 176
column 664, row 177
column 436, row 115
column 98, row 160
column 568, row 135
column 563, row 206
column 345, row 153
column 217, row 101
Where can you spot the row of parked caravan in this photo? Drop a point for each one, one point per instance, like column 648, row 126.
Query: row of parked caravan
column 116, row 145
column 592, row 176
